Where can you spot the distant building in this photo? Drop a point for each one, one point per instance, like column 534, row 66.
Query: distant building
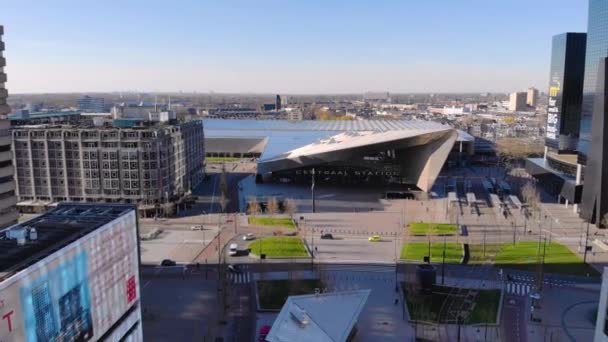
column 72, row 274
column 517, row 102
column 267, row 107
column 277, row 104
column 294, row 115
column 532, row 97
column 8, row 212
column 379, row 97
column 90, row 104
column 154, row 167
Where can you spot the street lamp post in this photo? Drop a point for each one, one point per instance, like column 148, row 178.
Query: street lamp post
column 586, row 243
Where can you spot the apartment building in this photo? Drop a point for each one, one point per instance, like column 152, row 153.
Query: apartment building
column 154, row 166
column 8, row 212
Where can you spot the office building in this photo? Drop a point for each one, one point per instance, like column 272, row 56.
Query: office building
column 597, row 48
column 565, row 91
column 532, row 97
column 517, row 102
column 558, row 171
column 278, row 102
column 90, row 104
column 72, row 274
column 594, row 203
column 152, row 166
column 8, row 211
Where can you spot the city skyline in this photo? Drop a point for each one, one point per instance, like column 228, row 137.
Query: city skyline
column 273, row 47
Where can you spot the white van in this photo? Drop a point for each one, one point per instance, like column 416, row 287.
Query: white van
column 233, row 249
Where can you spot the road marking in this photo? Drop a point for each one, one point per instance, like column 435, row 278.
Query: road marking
column 146, row 284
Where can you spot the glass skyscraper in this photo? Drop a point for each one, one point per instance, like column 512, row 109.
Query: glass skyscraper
column 597, row 48
column 565, row 91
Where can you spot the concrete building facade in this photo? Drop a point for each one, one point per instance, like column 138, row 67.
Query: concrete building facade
column 517, row 101
column 532, row 97
column 154, row 167
column 8, row 211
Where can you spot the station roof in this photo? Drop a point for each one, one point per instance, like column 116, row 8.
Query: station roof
column 324, row 317
column 284, row 136
column 54, row 229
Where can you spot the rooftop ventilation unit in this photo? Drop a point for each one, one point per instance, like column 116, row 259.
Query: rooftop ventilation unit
column 299, row 316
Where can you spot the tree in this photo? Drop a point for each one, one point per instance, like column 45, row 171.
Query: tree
column 273, row 206
column 290, row 207
column 604, row 221
column 531, row 195
column 253, row 207
column 510, row 151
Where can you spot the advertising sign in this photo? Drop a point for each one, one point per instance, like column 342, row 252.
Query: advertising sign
column 76, row 293
column 553, row 107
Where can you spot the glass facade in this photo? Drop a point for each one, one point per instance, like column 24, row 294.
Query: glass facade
column 565, row 90
column 597, row 47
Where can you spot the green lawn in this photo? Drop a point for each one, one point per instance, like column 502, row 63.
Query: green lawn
column 273, row 293
column 279, row 247
column 558, row 258
column 220, row 159
column 418, row 250
column 428, row 307
column 423, row 228
column 281, row 222
column 478, row 256
column 486, row 307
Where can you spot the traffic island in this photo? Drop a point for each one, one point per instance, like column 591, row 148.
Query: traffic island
column 416, row 251
column 437, row 229
column 274, row 222
column 529, row 255
column 444, row 304
column 278, row 247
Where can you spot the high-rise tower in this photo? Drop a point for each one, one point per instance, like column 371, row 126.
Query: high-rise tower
column 8, row 200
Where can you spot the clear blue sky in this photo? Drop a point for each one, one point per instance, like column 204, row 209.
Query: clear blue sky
column 312, row 46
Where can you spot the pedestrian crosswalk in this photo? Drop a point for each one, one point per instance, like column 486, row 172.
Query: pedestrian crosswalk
column 520, row 289
column 243, row 276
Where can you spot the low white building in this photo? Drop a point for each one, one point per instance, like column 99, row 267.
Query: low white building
column 323, row 317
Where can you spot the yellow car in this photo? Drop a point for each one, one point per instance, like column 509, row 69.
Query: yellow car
column 374, row 238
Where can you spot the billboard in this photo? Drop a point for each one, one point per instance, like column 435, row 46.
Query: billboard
column 76, row 293
column 553, row 108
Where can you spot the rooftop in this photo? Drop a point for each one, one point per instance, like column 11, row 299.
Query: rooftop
column 54, row 229
column 323, row 317
column 284, row 136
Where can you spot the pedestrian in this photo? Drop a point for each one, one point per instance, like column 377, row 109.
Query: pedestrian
column 315, row 248
column 396, row 301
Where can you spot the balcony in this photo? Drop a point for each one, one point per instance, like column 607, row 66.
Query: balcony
column 3, row 93
column 7, row 171
column 1, row 45
column 9, row 218
column 2, row 61
column 2, row 76
column 7, row 186
column 6, row 155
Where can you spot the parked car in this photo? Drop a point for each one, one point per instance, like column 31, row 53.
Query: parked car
column 264, row 330
column 168, row 262
column 234, row 269
column 197, row 227
column 233, row 249
column 327, row 236
column 374, row 238
column 248, row 236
